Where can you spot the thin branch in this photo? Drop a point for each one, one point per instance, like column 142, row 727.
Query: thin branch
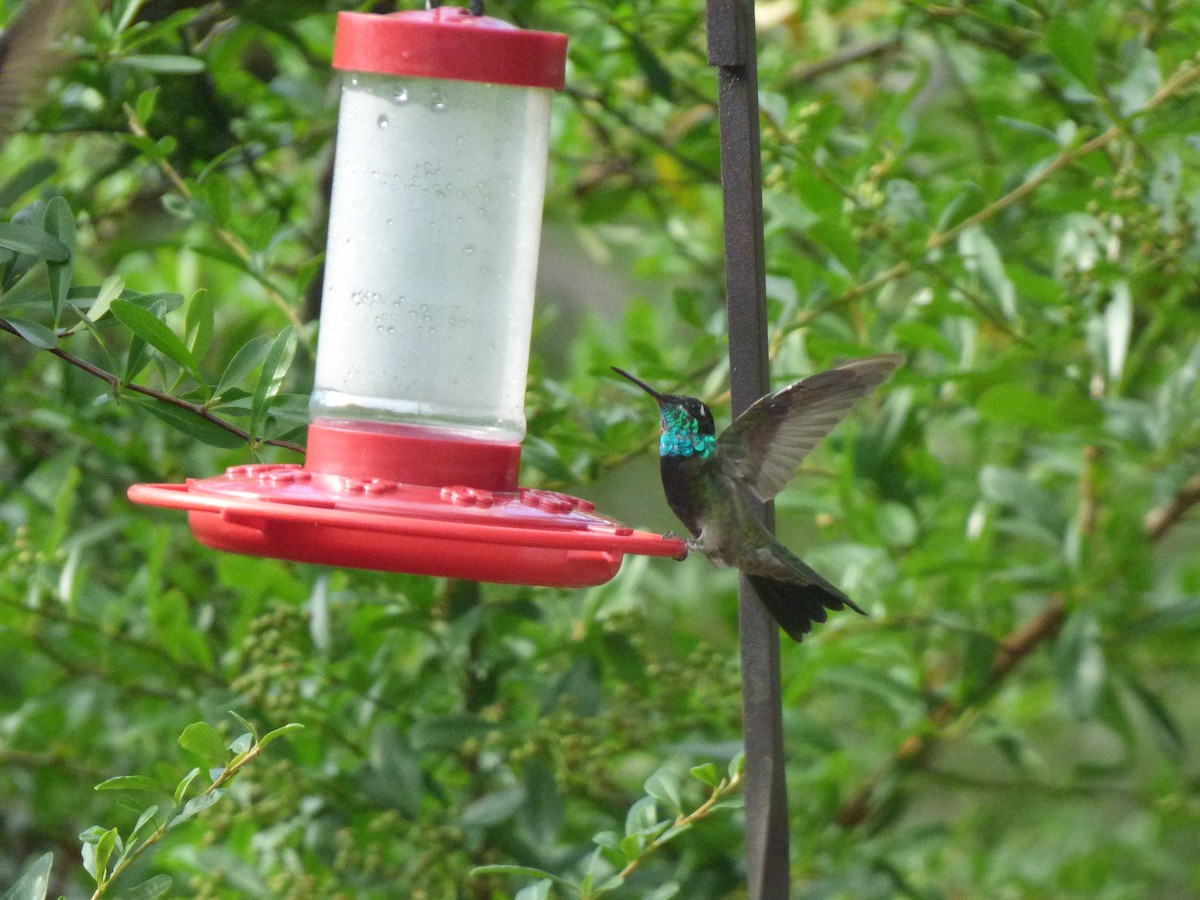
column 77, row 669
column 231, row 240
column 726, row 787
column 1089, row 503
column 1031, row 786
column 1019, row 643
column 847, row 56
column 1187, row 74
column 194, row 408
column 1160, row 519
column 581, row 97
column 56, row 613
column 49, row 759
column 228, row 773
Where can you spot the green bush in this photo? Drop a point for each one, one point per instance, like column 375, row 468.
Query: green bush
column 1005, row 192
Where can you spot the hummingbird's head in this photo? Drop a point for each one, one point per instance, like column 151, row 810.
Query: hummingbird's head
column 687, row 423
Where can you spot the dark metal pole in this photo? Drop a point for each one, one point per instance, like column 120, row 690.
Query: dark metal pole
column 731, row 48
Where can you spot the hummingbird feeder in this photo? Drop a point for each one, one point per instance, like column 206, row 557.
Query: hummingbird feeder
column 418, row 404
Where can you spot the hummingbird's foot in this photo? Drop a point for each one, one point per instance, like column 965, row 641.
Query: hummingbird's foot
column 672, row 536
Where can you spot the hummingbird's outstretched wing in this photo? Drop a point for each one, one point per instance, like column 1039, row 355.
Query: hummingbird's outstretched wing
column 766, row 443
column 26, row 57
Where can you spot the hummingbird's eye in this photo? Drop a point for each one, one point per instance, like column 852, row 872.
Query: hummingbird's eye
column 702, row 416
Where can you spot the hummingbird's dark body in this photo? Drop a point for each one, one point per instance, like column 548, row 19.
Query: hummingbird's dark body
column 716, row 484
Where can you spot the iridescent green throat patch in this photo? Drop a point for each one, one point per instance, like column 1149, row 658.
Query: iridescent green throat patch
column 681, row 435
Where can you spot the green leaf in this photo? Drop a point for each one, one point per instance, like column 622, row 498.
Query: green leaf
column 737, row 765
column 1165, row 729
column 1021, row 494
column 110, row 290
column 1074, row 48
column 137, row 358
column 494, row 808
column 838, row 239
column 245, row 361
column 609, row 840
column 203, row 740
column 270, row 379
column 198, row 326
column 189, row 423
column 611, row 883
column 632, row 845
column 98, row 845
column 658, row 77
column 543, row 811
column 737, row 801
column 817, row 194
column 154, row 331
column 663, row 891
column 279, row 732
column 146, row 102
column 216, row 193
column 104, row 851
column 1014, row 403
column 194, row 806
column 981, row 256
column 663, row 785
column 184, row 783
column 1079, row 664
column 92, row 834
column 539, row 890
column 642, row 816
column 1118, row 326
column 448, row 732
column 979, row 654
column 147, row 815
column 38, row 335
column 245, row 723
column 706, row 773
column 59, row 223
column 525, row 872
column 897, row 524
column 25, row 180
column 241, row 743
column 34, row 241
column 546, row 458
column 218, row 162
column 675, row 830
column 34, row 881
column 164, row 63
column 133, row 783
column 151, row 889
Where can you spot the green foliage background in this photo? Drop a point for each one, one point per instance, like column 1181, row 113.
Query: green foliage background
column 1004, row 191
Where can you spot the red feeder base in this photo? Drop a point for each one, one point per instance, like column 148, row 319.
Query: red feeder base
column 395, row 499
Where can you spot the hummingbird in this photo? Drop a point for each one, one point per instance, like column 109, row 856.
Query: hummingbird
column 714, row 483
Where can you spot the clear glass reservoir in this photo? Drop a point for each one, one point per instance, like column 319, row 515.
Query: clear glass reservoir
column 432, row 254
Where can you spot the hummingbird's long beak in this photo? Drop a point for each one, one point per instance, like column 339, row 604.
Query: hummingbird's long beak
column 645, row 387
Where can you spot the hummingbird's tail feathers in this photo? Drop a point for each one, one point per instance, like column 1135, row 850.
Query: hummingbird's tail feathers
column 796, row 605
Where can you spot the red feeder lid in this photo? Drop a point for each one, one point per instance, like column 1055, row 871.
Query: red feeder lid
column 355, row 520
column 449, row 42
